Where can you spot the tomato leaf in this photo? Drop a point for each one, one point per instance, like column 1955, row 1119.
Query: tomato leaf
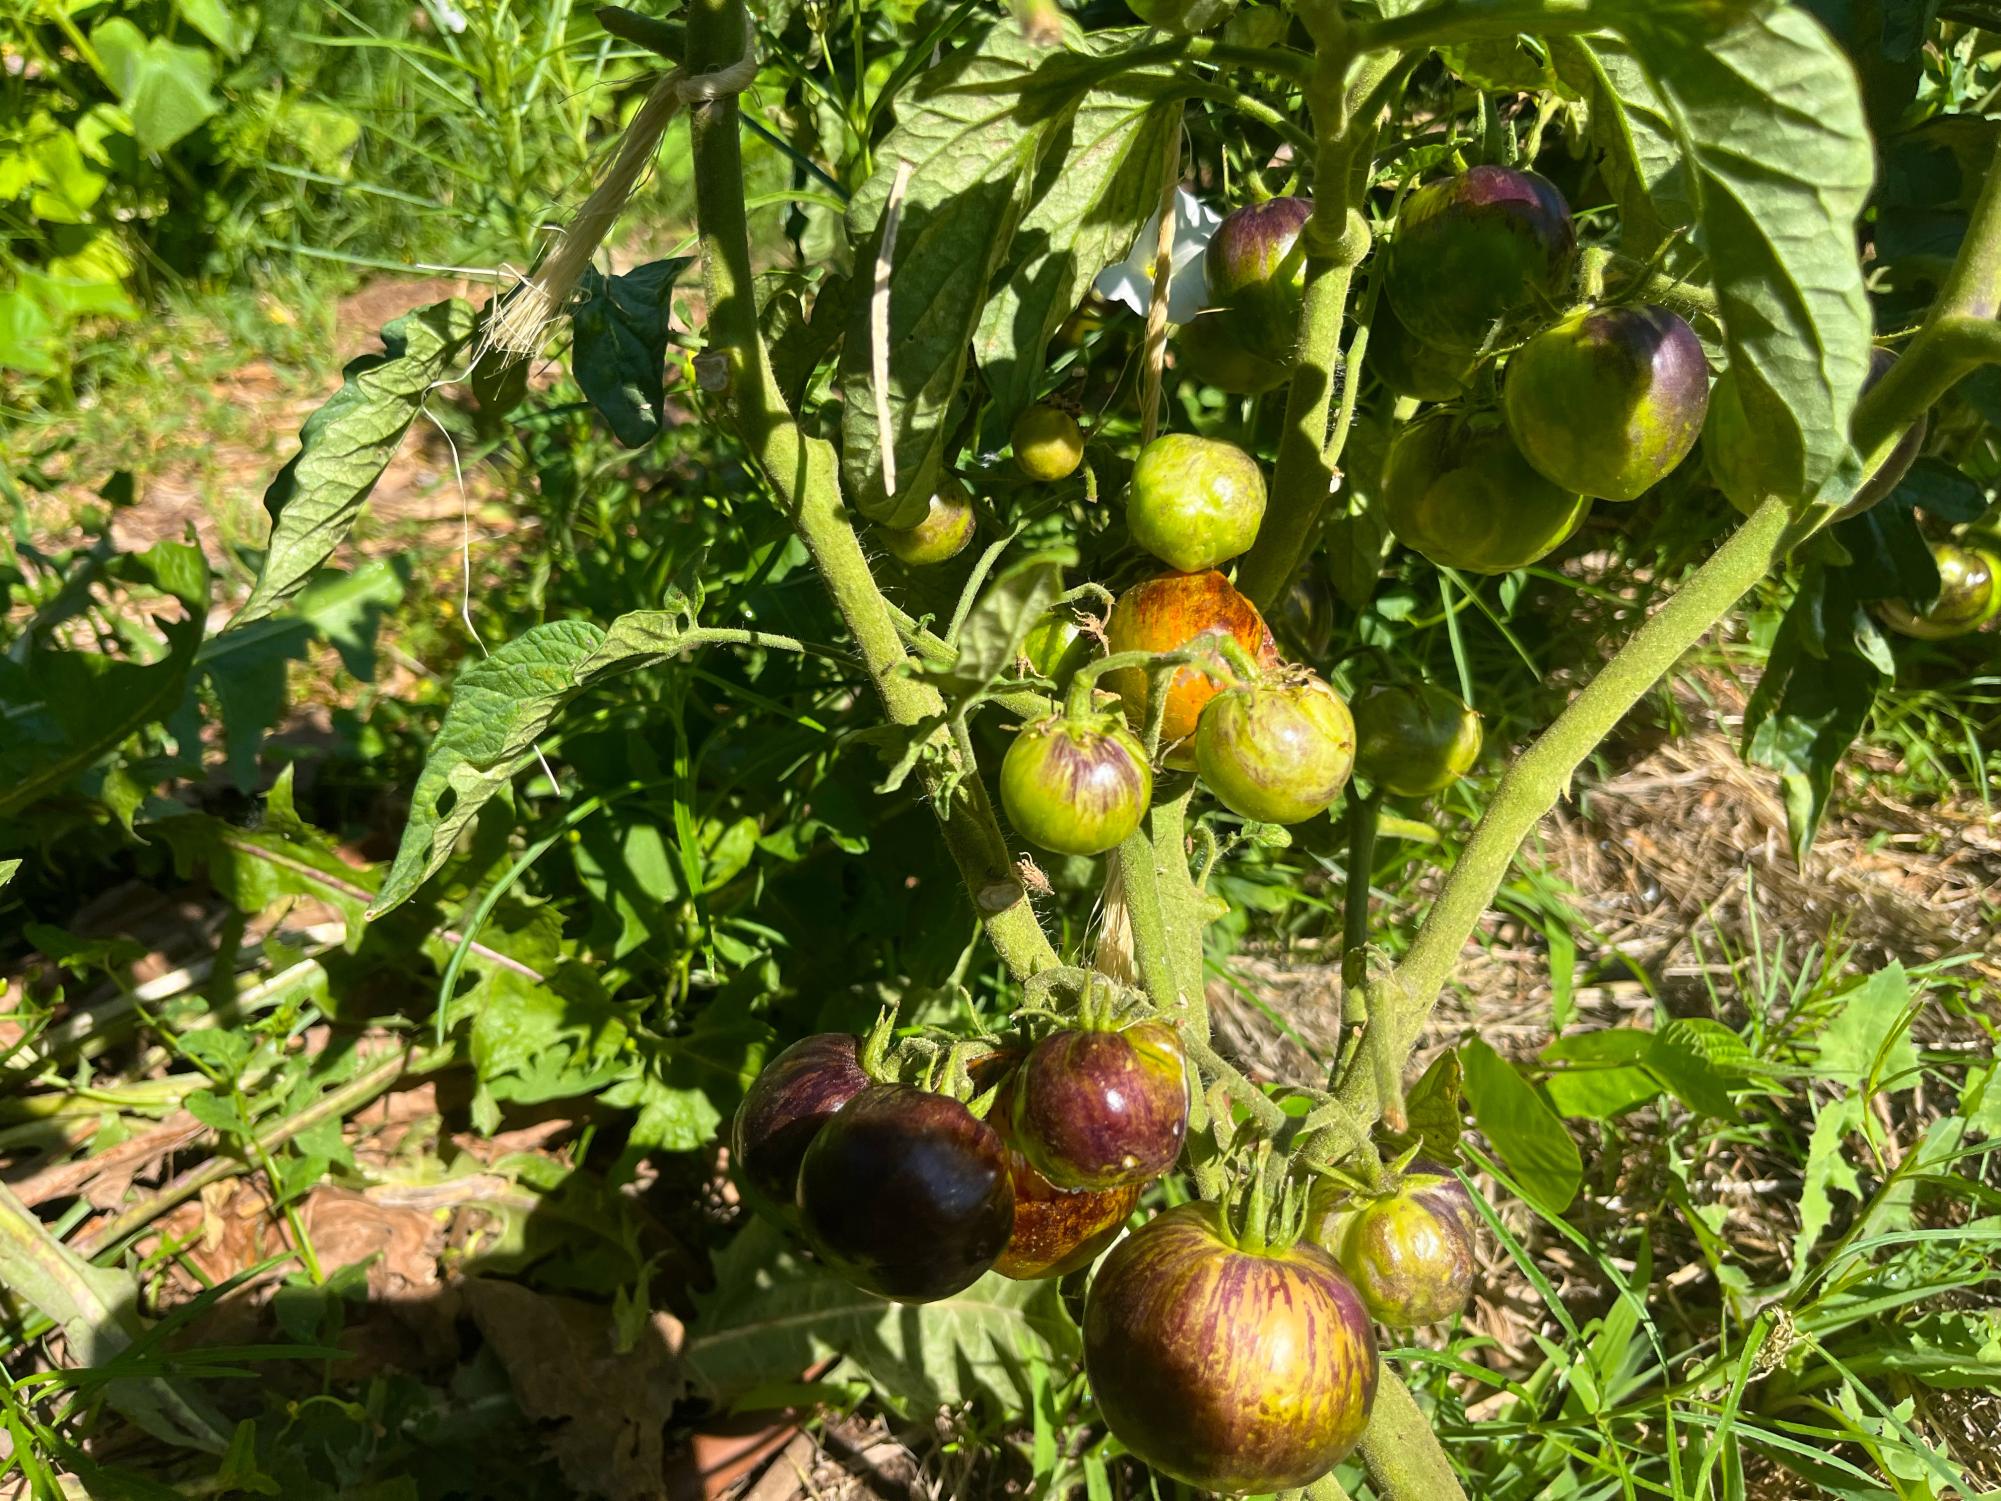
column 1776, row 163
column 990, row 638
column 345, row 446
column 1525, row 1132
column 620, row 354
column 774, row 1315
column 1095, row 187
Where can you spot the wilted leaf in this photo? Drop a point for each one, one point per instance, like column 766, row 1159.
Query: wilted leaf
column 345, row 446
column 619, row 356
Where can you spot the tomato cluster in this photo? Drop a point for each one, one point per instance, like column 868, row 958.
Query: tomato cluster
column 908, row 1193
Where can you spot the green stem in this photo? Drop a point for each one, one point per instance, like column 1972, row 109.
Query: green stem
column 1543, row 773
column 803, row 473
column 1140, row 891
column 1469, row 20
column 1180, row 901
column 1401, row 1452
column 1364, row 817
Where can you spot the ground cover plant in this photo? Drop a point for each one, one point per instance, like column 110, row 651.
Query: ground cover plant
column 973, row 884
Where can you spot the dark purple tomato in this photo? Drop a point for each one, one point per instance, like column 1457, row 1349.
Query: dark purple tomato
column 1048, row 444
column 1096, row 1110
column 1075, row 787
column 1195, row 503
column 1969, row 596
column 1056, row 1231
column 1276, row 752
column 906, row 1194
column 1232, row 1370
column 1409, row 366
column 1477, row 250
column 1208, row 350
column 1257, row 274
column 1735, row 450
column 784, row 1109
column 943, row 533
column 1609, row 401
column 1462, row 494
column 1415, row 740
column 1409, row 1254
column 1169, row 612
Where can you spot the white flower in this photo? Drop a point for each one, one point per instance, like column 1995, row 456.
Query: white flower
column 450, row 17
column 1131, row 281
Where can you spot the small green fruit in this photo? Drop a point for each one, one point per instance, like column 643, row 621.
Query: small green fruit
column 1048, row 444
column 1195, row 503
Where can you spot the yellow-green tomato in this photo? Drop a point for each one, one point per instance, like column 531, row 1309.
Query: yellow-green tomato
column 1409, row 1253
column 1414, row 741
column 1969, row 596
column 1075, row 786
column 1609, row 401
column 943, row 533
column 1276, row 752
column 1195, row 503
column 1048, row 444
column 1462, row 494
column 1056, row 645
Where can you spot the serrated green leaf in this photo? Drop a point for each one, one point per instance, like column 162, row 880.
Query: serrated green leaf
column 1698, row 1060
column 773, row 1316
column 1638, row 150
column 971, row 132
column 1827, row 1169
column 1529, row 1137
column 345, row 446
column 619, row 354
column 1867, row 1043
column 1778, row 164
column 1098, row 181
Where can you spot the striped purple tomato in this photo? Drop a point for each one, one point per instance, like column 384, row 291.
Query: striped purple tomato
column 1609, row 401
column 1056, row 1231
column 784, row 1109
column 1410, row 1253
column 1075, row 786
column 907, row 1194
column 1229, row 1369
column 1256, row 271
column 1276, row 752
column 1480, row 249
column 1095, row 1110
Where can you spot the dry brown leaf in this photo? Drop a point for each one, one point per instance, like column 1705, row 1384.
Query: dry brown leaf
column 603, row 1412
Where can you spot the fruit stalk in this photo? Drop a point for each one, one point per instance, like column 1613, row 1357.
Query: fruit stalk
column 803, row 473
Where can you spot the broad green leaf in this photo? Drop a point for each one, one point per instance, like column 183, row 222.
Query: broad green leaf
column 1097, row 183
column 1433, row 1109
column 221, row 25
column 1528, row 1136
column 27, row 334
column 164, row 87
column 1019, row 595
column 971, row 132
column 345, row 446
column 1867, row 1043
column 619, row 356
column 1638, row 150
column 1778, row 164
column 8, row 870
column 1601, row 1094
column 773, row 1315
column 1827, row 1169
column 1699, row 1059
column 500, row 707
column 69, row 709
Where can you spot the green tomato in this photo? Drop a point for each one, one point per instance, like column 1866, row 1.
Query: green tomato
column 1075, row 787
column 1415, row 741
column 1463, row 495
column 1610, row 400
column 943, row 533
column 1208, row 350
column 1048, row 444
column 1409, row 366
column 1276, row 752
column 1195, row 503
column 1969, row 596
column 1483, row 248
column 1057, row 645
column 1256, row 270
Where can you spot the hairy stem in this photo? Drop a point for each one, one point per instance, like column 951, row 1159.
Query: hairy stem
column 803, row 473
column 1543, row 772
column 1401, row 1452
